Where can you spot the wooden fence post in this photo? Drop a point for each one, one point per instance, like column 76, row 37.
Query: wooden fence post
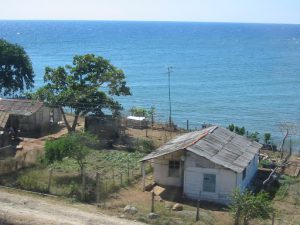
column 187, row 125
column 273, row 218
column 97, row 187
column 83, row 185
column 50, row 179
column 121, row 179
column 152, row 201
column 113, row 175
column 128, row 178
column 197, row 214
column 143, row 175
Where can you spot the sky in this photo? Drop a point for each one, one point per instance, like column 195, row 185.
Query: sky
column 248, row 11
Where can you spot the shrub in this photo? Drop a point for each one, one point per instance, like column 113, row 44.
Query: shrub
column 135, row 111
column 145, row 146
column 32, row 181
column 267, row 138
column 246, row 206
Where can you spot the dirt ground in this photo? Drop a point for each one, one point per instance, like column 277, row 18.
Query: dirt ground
column 42, row 211
column 34, row 147
column 22, row 208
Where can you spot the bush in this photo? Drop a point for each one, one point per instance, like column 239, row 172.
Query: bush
column 138, row 112
column 56, row 150
column 246, row 206
column 32, row 181
column 145, row 146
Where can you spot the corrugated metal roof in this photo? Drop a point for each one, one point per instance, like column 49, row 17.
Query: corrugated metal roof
column 3, row 119
column 217, row 144
column 20, row 106
column 178, row 143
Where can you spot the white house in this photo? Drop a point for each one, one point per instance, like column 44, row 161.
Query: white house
column 207, row 164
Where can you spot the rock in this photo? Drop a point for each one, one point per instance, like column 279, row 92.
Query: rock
column 177, row 207
column 122, row 216
column 19, row 147
column 153, row 216
column 130, row 209
column 105, row 205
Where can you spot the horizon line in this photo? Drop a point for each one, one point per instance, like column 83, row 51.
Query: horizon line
column 154, row 21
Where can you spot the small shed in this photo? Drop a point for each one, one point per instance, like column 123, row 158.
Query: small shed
column 107, row 127
column 29, row 117
column 139, row 122
column 207, row 164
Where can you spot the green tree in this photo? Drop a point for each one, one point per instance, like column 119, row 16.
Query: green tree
column 151, row 113
column 254, row 136
column 16, row 73
column 246, row 206
column 87, row 86
column 138, row 111
column 74, row 146
column 267, row 138
column 231, row 127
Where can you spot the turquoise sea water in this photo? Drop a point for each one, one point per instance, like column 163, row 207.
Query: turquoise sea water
column 246, row 74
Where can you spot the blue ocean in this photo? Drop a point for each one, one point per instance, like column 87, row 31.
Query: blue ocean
column 246, row 74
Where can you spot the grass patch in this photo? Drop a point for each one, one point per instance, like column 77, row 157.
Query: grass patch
column 117, row 169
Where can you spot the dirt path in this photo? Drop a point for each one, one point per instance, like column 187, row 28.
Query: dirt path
column 19, row 208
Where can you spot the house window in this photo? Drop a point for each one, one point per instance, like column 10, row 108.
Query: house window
column 244, row 173
column 174, row 167
column 209, row 182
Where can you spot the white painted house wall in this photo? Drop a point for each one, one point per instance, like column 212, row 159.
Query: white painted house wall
column 250, row 173
column 161, row 170
column 194, row 168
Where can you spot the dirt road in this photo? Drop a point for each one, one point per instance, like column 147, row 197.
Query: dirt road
column 19, row 208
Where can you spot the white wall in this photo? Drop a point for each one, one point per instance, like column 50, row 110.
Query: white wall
column 193, row 179
column 161, row 170
column 250, row 173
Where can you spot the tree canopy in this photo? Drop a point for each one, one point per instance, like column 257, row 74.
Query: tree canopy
column 87, row 86
column 16, row 73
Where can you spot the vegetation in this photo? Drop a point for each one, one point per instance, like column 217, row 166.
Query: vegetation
column 16, row 73
column 267, row 138
column 138, row 111
column 246, row 206
column 73, row 145
column 254, row 136
column 78, row 87
column 236, row 129
column 242, row 131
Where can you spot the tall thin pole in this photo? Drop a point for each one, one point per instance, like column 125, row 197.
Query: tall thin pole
column 170, row 106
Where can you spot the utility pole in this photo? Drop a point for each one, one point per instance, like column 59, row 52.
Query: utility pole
column 170, row 106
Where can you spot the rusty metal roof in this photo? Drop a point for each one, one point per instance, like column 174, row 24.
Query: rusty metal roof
column 217, row 144
column 20, row 106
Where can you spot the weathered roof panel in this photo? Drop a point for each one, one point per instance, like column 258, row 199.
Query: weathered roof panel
column 20, row 106
column 178, row 143
column 217, row 144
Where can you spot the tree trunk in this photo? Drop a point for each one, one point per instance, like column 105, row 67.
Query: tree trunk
column 282, row 143
column 237, row 217
column 73, row 128
column 65, row 119
column 82, row 172
column 245, row 221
